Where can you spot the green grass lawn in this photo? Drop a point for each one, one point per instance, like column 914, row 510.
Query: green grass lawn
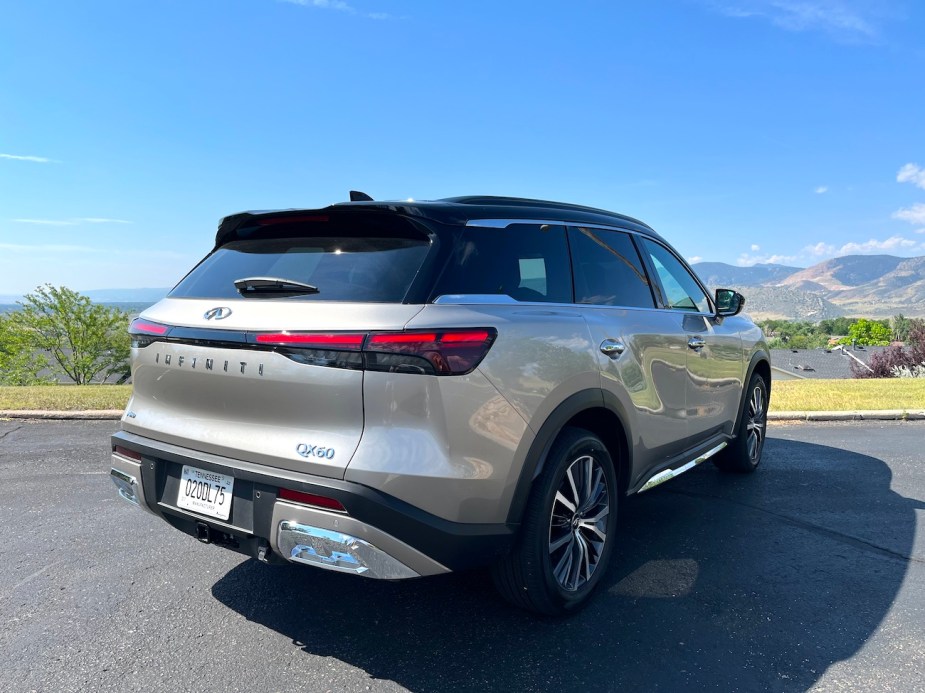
column 848, row 395
column 65, row 397
column 790, row 395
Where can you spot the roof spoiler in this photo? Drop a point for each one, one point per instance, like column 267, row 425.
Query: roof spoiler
column 357, row 196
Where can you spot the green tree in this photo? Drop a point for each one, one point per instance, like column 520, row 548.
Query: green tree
column 20, row 362
column 82, row 340
column 869, row 333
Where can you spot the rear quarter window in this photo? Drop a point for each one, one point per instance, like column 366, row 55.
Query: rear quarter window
column 528, row 262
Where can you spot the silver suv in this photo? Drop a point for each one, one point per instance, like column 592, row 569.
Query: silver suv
column 402, row 389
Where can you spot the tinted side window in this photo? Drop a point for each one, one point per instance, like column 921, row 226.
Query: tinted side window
column 528, row 262
column 682, row 292
column 608, row 270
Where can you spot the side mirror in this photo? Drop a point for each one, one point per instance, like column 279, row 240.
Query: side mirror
column 729, row 302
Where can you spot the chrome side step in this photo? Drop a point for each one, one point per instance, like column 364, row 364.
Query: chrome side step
column 667, row 474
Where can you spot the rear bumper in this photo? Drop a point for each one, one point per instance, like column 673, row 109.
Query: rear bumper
column 379, row 536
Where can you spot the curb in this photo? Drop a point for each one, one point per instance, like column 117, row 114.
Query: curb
column 883, row 415
column 86, row 415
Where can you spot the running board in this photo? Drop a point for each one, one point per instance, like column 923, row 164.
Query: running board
column 667, row 474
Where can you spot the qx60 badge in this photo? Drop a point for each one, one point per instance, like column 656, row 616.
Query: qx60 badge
column 219, row 313
column 307, row 450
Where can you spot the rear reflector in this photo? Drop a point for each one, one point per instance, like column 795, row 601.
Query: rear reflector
column 125, row 452
column 311, row 499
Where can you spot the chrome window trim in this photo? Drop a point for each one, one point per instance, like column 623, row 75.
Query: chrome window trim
column 507, row 301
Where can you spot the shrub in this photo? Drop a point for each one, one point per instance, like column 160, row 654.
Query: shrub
column 887, row 363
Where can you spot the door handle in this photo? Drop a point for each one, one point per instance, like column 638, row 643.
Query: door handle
column 696, row 343
column 612, row 348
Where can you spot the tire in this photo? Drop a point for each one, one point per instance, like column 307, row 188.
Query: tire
column 564, row 546
column 743, row 454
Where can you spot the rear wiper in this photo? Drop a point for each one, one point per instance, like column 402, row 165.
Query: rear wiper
column 273, row 285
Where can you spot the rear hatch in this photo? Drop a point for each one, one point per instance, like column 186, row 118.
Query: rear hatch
column 258, row 353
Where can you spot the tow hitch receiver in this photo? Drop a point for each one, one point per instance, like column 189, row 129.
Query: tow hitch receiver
column 207, row 535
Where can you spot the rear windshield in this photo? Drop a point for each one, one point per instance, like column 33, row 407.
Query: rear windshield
column 345, row 261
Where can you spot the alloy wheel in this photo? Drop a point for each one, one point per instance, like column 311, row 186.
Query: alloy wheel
column 578, row 523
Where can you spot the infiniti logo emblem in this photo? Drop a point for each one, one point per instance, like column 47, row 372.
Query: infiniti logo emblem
column 219, row 313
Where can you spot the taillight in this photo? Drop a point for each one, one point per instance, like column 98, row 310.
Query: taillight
column 425, row 352
column 144, row 332
column 453, row 352
column 345, row 341
column 311, row 499
column 140, row 326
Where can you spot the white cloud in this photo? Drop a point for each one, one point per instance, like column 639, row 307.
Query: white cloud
column 45, row 222
column 694, row 260
column 71, row 222
column 822, row 190
column 912, row 173
column 914, row 214
column 893, row 243
column 820, row 249
column 21, row 157
column 746, row 260
column 755, row 248
column 843, row 18
column 339, row 6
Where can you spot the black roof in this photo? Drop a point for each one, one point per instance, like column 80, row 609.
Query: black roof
column 457, row 210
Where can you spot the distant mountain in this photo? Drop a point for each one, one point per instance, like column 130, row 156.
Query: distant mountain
column 721, row 275
column 846, row 272
column 125, row 295
column 855, row 285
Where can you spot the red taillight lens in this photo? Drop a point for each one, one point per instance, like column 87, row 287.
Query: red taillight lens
column 311, row 499
column 140, row 326
column 338, row 341
column 125, row 452
column 428, row 352
column 452, row 352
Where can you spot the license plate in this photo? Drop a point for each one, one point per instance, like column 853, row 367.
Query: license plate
column 205, row 492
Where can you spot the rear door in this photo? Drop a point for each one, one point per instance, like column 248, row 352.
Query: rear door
column 642, row 350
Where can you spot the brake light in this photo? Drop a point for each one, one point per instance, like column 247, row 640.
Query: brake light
column 291, row 220
column 311, row 499
column 140, row 326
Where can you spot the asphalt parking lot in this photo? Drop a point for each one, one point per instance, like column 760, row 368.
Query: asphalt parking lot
column 809, row 574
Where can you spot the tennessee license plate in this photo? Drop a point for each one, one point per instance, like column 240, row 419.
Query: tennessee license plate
column 208, row 493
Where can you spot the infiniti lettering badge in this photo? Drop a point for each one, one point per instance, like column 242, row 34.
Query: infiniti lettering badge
column 219, row 313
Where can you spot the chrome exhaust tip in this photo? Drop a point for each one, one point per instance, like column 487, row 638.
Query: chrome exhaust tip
column 337, row 551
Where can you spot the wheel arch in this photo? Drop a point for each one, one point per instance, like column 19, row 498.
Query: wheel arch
column 590, row 410
column 761, row 364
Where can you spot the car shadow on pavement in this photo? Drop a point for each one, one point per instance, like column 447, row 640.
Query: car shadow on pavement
column 722, row 582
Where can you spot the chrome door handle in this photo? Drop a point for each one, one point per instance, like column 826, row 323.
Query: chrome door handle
column 696, row 343
column 612, row 348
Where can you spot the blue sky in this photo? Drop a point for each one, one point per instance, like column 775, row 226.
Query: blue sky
column 743, row 130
